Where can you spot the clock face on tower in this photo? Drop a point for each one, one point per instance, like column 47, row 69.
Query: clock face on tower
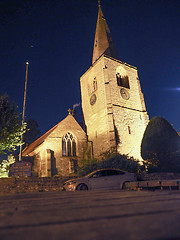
column 124, row 94
column 93, row 99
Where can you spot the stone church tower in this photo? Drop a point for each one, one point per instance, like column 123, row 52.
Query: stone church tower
column 112, row 101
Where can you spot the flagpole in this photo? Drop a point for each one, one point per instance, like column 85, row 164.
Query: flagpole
column 24, row 107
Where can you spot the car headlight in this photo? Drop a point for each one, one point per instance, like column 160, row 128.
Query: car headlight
column 69, row 183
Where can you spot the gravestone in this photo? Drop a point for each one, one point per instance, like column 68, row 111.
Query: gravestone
column 20, row 169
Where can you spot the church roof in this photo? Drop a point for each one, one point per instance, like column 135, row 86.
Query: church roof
column 36, row 143
column 69, row 120
column 103, row 43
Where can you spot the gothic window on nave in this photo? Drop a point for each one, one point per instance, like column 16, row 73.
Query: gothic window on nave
column 68, row 145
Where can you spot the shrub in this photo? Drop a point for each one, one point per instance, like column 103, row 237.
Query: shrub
column 110, row 160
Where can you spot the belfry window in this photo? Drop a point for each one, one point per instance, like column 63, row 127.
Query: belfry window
column 122, row 81
column 68, row 145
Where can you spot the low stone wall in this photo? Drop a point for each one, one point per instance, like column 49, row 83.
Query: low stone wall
column 159, row 176
column 173, row 184
column 39, row 184
column 30, row 184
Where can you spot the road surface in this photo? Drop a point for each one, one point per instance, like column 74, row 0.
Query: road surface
column 91, row 215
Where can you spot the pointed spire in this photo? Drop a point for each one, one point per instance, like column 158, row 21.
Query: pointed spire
column 103, row 43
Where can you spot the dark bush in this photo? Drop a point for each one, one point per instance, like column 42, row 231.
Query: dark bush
column 160, row 146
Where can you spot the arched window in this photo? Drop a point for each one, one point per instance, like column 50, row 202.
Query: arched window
column 64, row 147
column 68, row 145
column 74, row 147
column 119, row 79
column 122, row 81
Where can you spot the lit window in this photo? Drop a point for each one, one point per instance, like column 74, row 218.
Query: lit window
column 68, row 145
column 122, row 81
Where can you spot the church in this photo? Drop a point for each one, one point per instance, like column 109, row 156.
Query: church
column 114, row 113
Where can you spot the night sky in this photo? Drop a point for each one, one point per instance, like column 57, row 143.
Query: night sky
column 56, row 38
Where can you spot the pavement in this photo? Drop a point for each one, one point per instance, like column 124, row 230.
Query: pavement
column 91, row 215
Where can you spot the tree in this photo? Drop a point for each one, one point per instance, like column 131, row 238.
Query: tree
column 4, row 166
column 11, row 128
column 32, row 132
column 160, row 145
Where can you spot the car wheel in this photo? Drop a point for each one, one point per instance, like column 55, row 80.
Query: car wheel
column 124, row 185
column 82, row 187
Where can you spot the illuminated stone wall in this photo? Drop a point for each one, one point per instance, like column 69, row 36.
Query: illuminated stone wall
column 95, row 115
column 111, row 120
column 48, row 156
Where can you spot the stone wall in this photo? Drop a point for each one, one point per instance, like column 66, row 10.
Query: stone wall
column 28, row 184
column 159, row 176
column 38, row 184
column 113, row 121
column 95, row 114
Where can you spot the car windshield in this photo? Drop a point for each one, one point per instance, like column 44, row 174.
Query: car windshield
column 104, row 172
column 94, row 173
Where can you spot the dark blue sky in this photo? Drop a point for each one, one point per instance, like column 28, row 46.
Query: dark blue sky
column 56, row 37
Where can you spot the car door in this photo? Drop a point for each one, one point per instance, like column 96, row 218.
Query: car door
column 98, row 180
column 114, row 178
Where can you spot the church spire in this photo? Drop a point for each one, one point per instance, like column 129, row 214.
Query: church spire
column 103, row 43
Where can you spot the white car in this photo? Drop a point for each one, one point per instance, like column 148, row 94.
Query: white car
column 106, row 178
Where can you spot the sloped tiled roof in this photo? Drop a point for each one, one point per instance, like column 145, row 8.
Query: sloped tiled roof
column 36, row 143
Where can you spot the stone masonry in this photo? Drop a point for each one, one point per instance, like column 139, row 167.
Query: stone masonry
column 113, row 122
